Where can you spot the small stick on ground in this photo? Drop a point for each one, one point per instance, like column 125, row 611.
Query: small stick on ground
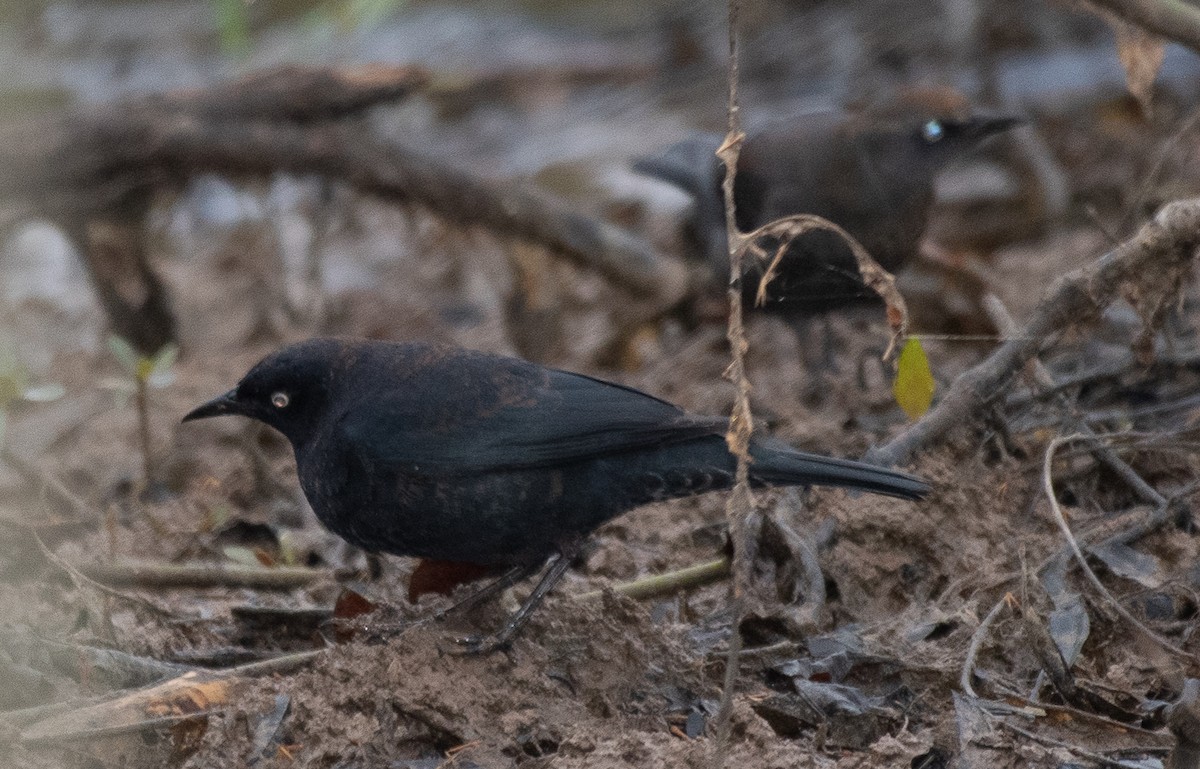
column 82, row 580
column 1061, row 521
column 977, row 641
column 669, row 582
column 999, row 315
column 45, row 481
column 194, row 693
column 171, row 575
column 1098, row 758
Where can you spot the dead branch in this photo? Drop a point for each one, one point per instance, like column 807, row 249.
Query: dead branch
column 172, row 575
column 1162, row 250
column 670, row 582
column 81, row 580
column 46, row 482
column 1045, row 381
column 193, row 694
column 96, row 160
column 95, row 171
column 351, row 154
column 1098, row 758
column 111, row 668
column 1173, row 19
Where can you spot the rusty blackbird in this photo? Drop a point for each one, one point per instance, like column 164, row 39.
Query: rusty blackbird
column 443, row 453
column 869, row 170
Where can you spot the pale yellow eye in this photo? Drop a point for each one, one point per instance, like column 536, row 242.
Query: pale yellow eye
column 280, row 400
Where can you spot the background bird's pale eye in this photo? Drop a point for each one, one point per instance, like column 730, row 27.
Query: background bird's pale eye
column 933, row 131
column 280, row 400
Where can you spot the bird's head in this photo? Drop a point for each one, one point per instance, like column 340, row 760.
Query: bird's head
column 288, row 390
column 948, row 136
column 925, row 128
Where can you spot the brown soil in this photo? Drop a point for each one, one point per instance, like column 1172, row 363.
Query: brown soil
column 606, row 682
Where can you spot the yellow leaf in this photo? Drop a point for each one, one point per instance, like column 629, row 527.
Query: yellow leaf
column 914, row 384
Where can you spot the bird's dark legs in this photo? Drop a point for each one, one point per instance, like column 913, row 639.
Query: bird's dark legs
column 816, row 344
column 559, row 563
column 829, row 344
column 499, row 585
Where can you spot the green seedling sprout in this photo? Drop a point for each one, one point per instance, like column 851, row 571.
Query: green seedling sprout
column 144, row 372
column 15, row 387
column 233, row 26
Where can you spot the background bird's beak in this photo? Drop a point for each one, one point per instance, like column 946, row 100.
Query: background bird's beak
column 219, row 406
column 990, row 125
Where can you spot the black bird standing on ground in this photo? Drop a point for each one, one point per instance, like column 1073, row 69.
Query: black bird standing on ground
column 869, row 171
column 448, row 454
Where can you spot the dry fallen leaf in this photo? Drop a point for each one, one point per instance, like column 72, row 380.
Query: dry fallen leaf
column 1141, row 54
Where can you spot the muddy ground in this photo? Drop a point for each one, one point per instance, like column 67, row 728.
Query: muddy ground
column 863, row 668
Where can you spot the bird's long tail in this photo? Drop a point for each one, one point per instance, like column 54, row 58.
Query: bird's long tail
column 688, row 164
column 777, row 464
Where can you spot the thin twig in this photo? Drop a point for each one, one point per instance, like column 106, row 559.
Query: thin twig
column 1000, row 315
column 1081, row 752
column 48, row 482
column 1060, row 519
column 80, row 579
column 193, row 693
column 977, row 637
column 167, row 575
column 686, row 578
column 740, row 505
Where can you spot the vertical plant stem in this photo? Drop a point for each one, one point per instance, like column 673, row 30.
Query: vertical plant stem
column 143, row 412
column 740, row 505
column 110, row 524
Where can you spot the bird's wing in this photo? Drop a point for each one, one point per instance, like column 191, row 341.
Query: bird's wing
column 514, row 416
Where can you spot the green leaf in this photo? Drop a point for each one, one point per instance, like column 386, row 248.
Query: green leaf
column 14, row 378
column 165, row 358
column 161, row 374
column 124, row 353
column 365, row 14
column 289, row 551
column 218, row 515
column 233, row 25
column 914, row 383
column 145, row 367
column 10, row 389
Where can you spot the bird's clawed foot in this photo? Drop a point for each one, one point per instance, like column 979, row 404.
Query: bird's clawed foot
column 479, row 645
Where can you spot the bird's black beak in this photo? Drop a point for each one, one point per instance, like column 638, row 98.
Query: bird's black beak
column 219, row 406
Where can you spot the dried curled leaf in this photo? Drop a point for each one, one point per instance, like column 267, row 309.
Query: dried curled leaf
column 1141, row 54
column 914, row 385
